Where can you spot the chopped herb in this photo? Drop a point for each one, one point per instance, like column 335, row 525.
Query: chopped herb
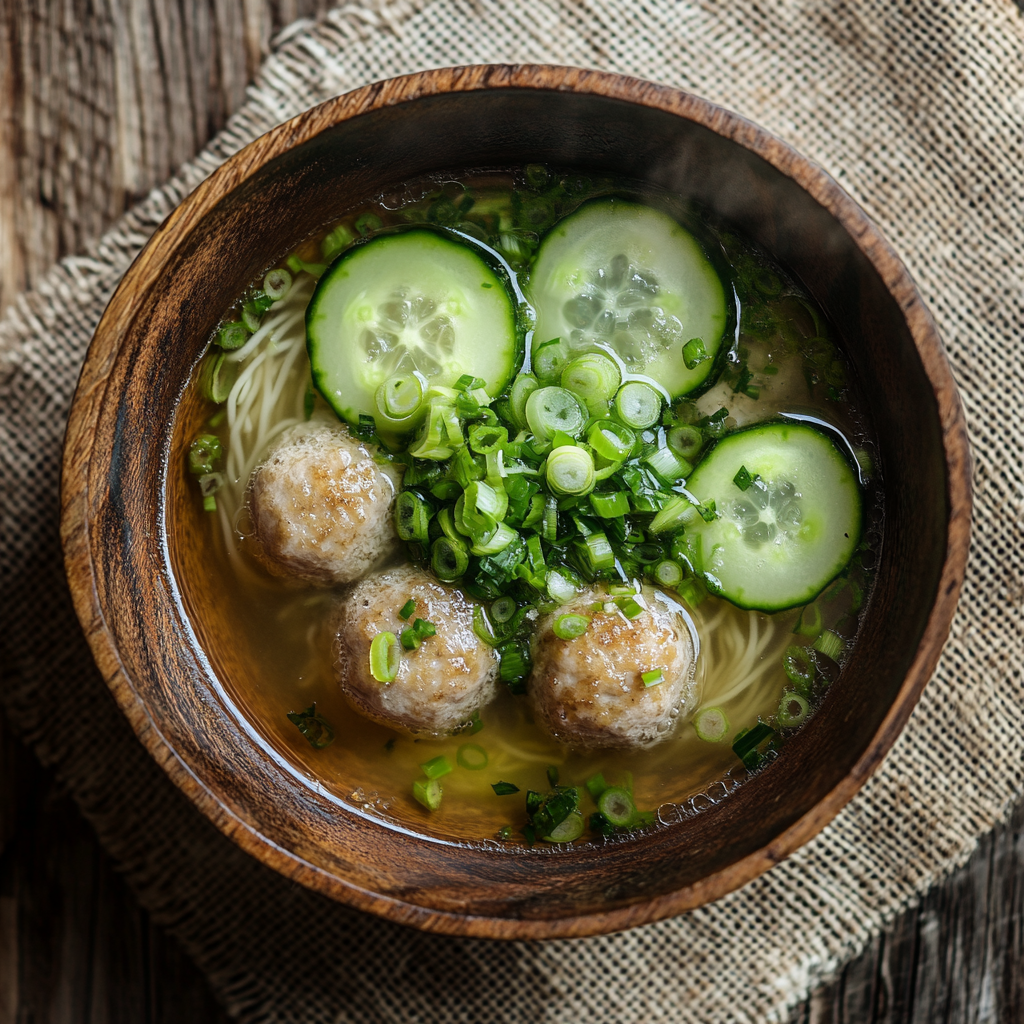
column 428, row 792
column 506, row 831
column 437, row 767
column 749, row 743
column 653, row 678
column 424, row 629
column 407, row 609
column 694, row 353
column 742, row 479
column 313, row 726
column 504, row 788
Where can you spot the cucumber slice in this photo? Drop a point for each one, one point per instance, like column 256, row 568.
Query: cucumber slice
column 623, row 276
column 411, row 302
column 780, row 541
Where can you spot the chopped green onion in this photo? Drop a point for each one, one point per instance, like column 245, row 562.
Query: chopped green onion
column 204, row 453
column 568, row 627
column 550, row 521
column 799, row 668
column 399, row 397
column 793, row 710
column 233, row 335
column 367, row 222
column 410, row 639
column 595, row 378
column 567, row 830
column 514, row 666
column 611, row 440
column 500, row 539
column 522, row 387
column 596, row 785
column 559, row 587
column 407, row 609
column 610, row 505
column 864, row 463
column 277, row 284
column 337, row 238
column 694, row 353
column 210, row 503
column 685, row 441
column 630, row 607
column 313, row 726
column 428, row 792
column 503, row 609
column 448, row 560
column 485, row 439
column 711, row 724
column 743, row 479
column 412, row 517
column 295, row 265
column 385, row 657
column 424, row 629
column 809, row 624
column 668, row 573
column 471, row 757
column 570, row 470
column 638, row 405
column 597, row 552
column 676, row 512
column 830, row 644
column 437, row 767
column 748, row 741
column 652, row 678
column 504, row 788
column 549, row 359
column 669, row 466
column 553, row 409
column 617, row 806
column 218, row 377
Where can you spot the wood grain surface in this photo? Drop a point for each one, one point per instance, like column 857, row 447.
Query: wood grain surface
column 82, row 86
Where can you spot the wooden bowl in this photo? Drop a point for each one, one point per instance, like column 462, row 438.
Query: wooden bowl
column 129, row 522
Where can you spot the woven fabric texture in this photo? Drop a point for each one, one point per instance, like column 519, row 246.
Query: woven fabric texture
column 918, row 109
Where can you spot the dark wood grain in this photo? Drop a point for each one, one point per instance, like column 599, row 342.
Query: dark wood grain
column 103, row 100
column 74, row 944
column 158, row 663
column 957, row 958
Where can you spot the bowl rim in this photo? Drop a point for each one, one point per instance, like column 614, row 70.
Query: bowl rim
column 143, row 273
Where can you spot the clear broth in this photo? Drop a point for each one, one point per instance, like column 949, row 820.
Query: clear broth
column 739, row 667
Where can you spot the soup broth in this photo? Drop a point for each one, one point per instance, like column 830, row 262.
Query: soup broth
column 779, row 362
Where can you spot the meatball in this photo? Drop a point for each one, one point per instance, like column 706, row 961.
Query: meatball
column 439, row 685
column 588, row 692
column 321, row 507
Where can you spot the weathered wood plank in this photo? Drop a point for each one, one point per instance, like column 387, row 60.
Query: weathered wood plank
column 957, row 958
column 74, row 944
column 102, row 100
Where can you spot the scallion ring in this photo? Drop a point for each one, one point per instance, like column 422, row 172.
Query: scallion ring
column 617, row 806
column 793, row 710
column 448, row 560
column 472, row 757
column 385, row 657
column 277, row 284
column 638, row 405
column 594, row 377
column 570, row 470
column 570, row 626
column 711, row 724
column 399, row 397
column 553, row 409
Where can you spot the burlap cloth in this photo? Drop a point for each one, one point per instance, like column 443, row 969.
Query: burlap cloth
column 918, row 109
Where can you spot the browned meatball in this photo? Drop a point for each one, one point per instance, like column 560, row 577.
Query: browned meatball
column 321, row 507
column 588, row 692
column 440, row 684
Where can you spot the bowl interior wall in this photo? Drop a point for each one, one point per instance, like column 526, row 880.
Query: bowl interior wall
column 286, row 201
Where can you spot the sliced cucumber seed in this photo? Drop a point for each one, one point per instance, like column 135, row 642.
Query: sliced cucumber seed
column 616, row 304
column 766, row 510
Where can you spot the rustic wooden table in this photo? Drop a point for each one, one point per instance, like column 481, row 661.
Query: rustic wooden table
column 101, row 100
